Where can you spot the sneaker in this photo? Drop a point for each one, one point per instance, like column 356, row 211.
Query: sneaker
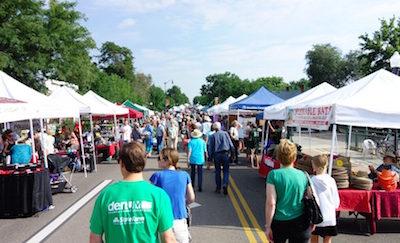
column 225, row 188
column 51, row 207
column 200, row 189
column 217, row 190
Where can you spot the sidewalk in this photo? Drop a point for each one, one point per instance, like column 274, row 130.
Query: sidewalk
column 320, row 142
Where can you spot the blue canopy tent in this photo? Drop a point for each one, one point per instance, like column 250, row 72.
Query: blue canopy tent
column 256, row 101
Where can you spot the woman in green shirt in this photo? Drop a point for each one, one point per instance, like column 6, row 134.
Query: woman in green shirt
column 284, row 209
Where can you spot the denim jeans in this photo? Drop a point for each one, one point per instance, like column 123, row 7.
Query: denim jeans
column 199, row 174
column 160, row 144
column 221, row 159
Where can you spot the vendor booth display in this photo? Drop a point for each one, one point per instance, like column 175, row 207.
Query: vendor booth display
column 373, row 204
column 360, row 182
column 352, row 105
column 24, row 191
column 387, row 180
column 341, row 177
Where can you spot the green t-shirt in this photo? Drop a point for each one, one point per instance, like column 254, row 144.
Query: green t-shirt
column 131, row 212
column 253, row 138
column 290, row 185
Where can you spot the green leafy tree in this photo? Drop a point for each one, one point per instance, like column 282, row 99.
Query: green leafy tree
column 352, row 67
column 113, row 87
column 142, row 86
column 21, row 40
column 271, row 83
column 68, row 45
column 176, row 97
column 377, row 49
column 157, row 98
column 296, row 85
column 117, row 60
column 324, row 64
column 39, row 43
column 222, row 86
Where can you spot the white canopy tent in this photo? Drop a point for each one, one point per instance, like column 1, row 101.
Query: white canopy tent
column 369, row 102
column 39, row 105
column 14, row 110
column 86, row 106
column 218, row 107
column 223, row 108
column 117, row 110
column 279, row 111
column 43, row 107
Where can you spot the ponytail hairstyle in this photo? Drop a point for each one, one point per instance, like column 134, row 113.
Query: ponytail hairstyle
column 321, row 162
column 171, row 155
column 175, row 158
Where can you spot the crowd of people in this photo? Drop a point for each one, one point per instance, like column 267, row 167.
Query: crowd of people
column 133, row 210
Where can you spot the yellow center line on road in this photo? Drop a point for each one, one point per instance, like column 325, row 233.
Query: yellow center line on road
column 242, row 219
column 250, row 214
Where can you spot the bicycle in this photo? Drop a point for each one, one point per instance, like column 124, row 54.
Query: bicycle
column 385, row 145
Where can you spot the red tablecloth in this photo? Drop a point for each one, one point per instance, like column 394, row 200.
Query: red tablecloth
column 355, row 200
column 387, row 204
column 111, row 148
column 375, row 204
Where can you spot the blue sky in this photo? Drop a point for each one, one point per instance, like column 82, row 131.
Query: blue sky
column 187, row 40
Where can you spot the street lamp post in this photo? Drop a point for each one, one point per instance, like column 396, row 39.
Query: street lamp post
column 395, row 66
column 165, row 93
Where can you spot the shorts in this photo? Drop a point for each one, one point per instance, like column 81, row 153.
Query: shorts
column 253, row 151
column 180, row 229
column 325, row 231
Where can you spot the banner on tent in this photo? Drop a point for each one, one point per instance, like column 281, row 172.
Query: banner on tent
column 313, row 117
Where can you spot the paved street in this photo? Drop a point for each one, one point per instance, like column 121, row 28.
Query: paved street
column 238, row 217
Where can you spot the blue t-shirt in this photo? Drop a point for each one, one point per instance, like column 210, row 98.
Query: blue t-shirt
column 209, row 135
column 198, row 147
column 175, row 184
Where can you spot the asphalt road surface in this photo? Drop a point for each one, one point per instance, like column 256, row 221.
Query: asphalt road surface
column 237, row 217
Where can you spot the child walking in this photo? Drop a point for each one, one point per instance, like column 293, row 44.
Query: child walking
column 327, row 192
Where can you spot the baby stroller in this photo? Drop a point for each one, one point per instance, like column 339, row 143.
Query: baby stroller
column 58, row 179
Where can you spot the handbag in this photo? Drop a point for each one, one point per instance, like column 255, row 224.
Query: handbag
column 313, row 211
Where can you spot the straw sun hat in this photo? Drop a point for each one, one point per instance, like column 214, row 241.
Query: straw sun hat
column 196, row 133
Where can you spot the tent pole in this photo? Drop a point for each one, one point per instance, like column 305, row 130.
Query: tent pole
column 309, row 139
column 262, row 136
column 116, row 131
column 42, row 144
column 82, row 146
column 266, row 136
column 337, row 144
column 33, row 141
column 332, row 148
column 299, row 135
column 349, row 141
column 94, row 148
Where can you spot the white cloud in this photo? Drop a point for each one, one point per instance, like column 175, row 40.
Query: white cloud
column 135, row 6
column 126, row 23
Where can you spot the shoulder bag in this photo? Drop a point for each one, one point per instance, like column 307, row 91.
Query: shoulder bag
column 313, row 211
